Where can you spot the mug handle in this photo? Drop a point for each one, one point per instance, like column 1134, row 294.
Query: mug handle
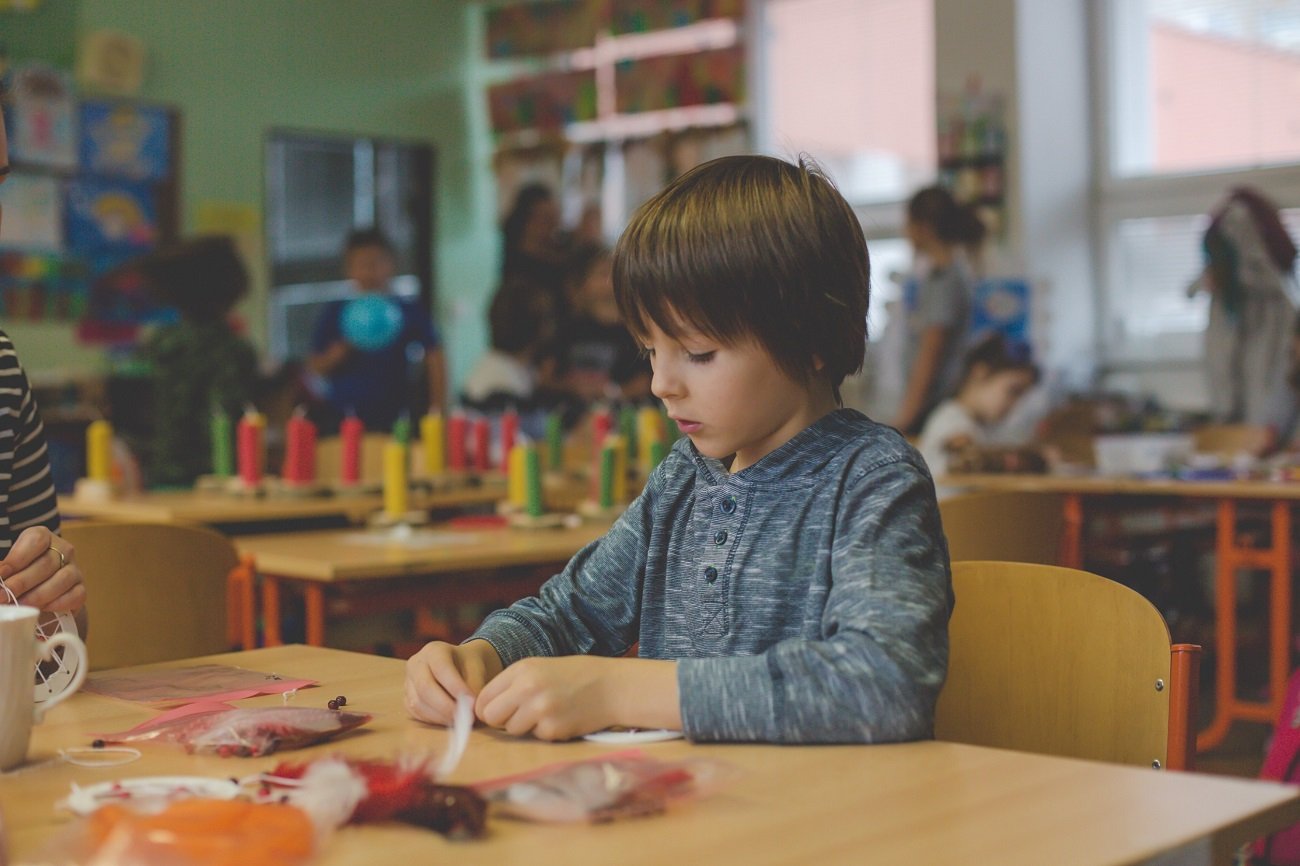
column 46, row 651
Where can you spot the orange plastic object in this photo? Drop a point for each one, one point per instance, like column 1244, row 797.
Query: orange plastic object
column 204, row 833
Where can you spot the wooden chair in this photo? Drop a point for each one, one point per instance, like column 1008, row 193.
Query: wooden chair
column 1006, row 527
column 1063, row 662
column 156, row 591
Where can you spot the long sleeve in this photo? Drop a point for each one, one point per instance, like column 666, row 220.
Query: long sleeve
column 592, row 606
column 875, row 674
column 28, row 499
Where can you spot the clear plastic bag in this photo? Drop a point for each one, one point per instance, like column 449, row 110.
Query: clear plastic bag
column 227, row 731
column 198, row 683
column 608, row 788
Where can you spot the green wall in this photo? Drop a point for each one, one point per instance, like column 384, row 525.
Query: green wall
column 236, row 68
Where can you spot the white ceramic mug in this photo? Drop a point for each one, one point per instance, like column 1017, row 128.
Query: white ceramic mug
column 19, row 649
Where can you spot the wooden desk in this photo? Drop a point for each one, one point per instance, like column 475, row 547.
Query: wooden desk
column 185, row 506
column 317, row 563
column 922, row 803
column 1230, row 557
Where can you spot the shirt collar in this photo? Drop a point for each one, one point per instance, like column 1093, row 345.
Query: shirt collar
column 802, row 455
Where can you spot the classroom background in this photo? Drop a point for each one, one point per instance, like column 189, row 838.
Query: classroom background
column 1098, row 141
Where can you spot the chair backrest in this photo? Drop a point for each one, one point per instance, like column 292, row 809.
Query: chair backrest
column 1063, row 662
column 156, row 591
column 1230, row 440
column 1006, row 527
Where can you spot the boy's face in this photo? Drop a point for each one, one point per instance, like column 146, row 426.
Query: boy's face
column 371, row 268
column 730, row 399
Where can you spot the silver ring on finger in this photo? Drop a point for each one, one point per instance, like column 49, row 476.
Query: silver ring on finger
column 63, row 560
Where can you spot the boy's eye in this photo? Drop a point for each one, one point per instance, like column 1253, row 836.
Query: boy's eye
column 701, row 358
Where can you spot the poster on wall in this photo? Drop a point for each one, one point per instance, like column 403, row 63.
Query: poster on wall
column 120, row 139
column 105, row 214
column 643, row 16
column 548, row 27
column 33, row 212
column 544, row 103
column 1002, row 305
column 42, row 118
column 677, row 80
column 41, row 286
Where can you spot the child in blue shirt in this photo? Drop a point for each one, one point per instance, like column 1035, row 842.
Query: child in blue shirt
column 784, row 572
column 374, row 384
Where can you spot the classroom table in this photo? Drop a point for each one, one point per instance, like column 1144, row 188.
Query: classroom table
column 1276, row 498
column 922, row 803
column 235, row 514
column 506, row 564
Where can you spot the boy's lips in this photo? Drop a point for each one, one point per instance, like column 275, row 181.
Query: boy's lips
column 686, row 425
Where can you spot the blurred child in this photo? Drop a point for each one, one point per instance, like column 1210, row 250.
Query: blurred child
column 1249, row 259
column 784, row 572
column 943, row 234
column 200, row 365
column 997, row 374
column 595, row 356
column 504, row 376
column 373, row 383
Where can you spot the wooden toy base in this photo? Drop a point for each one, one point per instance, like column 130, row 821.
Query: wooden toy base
column 519, row 520
column 211, row 483
column 93, row 490
column 596, row 511
column 411, row 518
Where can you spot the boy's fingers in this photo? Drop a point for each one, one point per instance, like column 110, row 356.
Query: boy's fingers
column 47, row 592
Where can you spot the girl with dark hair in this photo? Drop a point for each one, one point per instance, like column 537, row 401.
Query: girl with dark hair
column 996, row 374
column 1249, row 257
column 943, row 234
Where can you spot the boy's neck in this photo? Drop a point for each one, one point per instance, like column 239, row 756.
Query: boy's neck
column 820, row 403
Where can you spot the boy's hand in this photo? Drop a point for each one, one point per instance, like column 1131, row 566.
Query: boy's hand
column 41, row 570
column 563, row 698
column 441, row 672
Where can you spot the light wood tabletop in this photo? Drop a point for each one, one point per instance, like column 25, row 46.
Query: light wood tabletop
column 921, row 803
column 1101, row 485
column 188, row 506
column 334, row 556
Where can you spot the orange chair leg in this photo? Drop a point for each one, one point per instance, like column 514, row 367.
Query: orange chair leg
column 241, row 612
column 1225, row 626
column 1072, row 532
column 1184, row 693
column 1279, row 608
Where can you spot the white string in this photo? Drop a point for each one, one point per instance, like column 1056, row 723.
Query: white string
column 460, row 731
column 109, row 756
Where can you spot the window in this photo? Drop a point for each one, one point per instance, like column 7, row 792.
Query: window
column 1195, row 97
column 852, row 83
column 1206, row 84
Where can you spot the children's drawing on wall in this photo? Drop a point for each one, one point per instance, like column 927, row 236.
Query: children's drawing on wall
column 41, row 118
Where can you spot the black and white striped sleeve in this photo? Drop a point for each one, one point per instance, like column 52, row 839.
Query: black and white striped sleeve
column 27, row 495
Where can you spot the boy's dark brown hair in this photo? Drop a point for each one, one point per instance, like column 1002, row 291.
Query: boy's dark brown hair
column 752, row 247
column 358, row 239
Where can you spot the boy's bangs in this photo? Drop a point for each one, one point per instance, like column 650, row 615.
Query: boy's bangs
column 670, row 272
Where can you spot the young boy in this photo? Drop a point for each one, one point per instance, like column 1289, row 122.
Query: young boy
column 784, row 572
column 372, row 383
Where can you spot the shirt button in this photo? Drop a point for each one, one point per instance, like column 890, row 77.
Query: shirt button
column 720, row 537
column 728, row 505
column 710, row 574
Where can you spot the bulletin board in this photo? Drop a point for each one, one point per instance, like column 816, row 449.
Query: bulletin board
column 93, row 188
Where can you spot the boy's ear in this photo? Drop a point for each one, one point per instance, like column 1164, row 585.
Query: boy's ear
column 818, row 363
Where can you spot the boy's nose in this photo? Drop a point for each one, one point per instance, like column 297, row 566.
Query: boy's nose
column 663, row 385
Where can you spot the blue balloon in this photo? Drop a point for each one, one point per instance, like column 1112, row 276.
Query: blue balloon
column 372, row 322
